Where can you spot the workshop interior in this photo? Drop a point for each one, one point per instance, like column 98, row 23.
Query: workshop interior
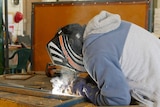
column 29, row 74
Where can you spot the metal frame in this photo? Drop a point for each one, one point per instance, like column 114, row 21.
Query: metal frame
column 150, row 11
column 149, row 20
column 150, row 17
column 1, row 40
column 68, row 101
column 6, row 50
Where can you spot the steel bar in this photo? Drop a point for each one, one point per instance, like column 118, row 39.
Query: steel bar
column 1, row 39
column 72, row 102
column 150, row 16
column 6, row 37
column 33, row 92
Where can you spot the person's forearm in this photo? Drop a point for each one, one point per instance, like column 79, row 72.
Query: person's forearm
column 114, row 101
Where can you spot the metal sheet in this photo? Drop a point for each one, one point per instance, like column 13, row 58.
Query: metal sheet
column 48, row 17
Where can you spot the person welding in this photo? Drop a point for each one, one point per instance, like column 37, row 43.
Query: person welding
column 121, row 58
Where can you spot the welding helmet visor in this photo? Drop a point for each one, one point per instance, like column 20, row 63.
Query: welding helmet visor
column 65, row 48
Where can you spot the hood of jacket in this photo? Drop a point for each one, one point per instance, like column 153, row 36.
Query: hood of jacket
column 102, row 23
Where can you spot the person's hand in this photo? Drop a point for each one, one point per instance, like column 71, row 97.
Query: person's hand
column 88, row 90
column 91, row 91
column 77, row 86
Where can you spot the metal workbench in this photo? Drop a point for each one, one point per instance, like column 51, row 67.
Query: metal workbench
column 36, row 92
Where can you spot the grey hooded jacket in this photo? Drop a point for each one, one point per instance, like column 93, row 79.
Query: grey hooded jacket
column 115, row 54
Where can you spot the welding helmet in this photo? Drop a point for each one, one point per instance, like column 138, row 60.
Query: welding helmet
column 65, row 48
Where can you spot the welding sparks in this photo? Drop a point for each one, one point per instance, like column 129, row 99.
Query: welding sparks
column 61, row 85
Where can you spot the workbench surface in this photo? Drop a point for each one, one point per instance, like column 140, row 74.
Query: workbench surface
column 38, row 80
column 33, row 92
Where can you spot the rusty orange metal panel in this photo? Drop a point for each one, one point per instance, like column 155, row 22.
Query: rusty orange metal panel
column 47, row 18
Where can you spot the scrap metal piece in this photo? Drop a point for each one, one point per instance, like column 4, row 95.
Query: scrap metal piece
column 72, row 102
column 18, row 76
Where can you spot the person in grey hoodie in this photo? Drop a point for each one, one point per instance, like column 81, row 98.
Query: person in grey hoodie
column 122, row 59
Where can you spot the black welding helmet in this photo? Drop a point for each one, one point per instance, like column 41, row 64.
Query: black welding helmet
column 65, row 48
